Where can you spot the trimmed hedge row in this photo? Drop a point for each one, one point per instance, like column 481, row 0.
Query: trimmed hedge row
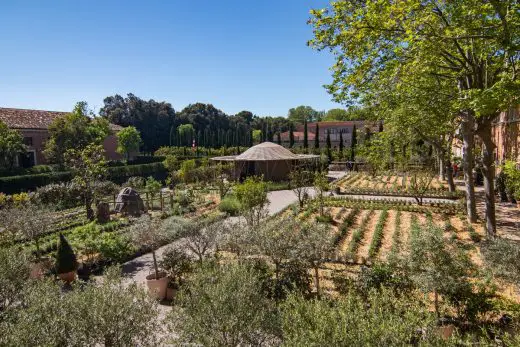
column 117, row 174
column 16, row 184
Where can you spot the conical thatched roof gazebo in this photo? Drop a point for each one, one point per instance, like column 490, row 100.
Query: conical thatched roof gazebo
column 273, row 161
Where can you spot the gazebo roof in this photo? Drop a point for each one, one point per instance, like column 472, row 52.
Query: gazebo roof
column 266, row 151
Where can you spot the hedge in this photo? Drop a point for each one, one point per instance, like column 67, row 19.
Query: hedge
column 117, row 174
column 16, row 184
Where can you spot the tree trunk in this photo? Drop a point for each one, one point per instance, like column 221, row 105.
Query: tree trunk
column 467, row 127
column 449, row 176
column 155, row 267
column 88, row 207
column 488, row 171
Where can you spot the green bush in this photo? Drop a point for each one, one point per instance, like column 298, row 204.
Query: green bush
column 381, row 319
column 230, row 205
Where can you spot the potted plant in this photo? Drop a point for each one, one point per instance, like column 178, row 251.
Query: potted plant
column 66, row 263
column 177, row 264
column 149, row 235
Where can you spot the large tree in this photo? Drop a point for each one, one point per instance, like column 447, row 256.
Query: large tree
column 153, row 119
column 304, row 113
column 75, row 130
column 472, row 43
column 11, row 144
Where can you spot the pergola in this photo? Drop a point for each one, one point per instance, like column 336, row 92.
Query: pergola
column 273, row 161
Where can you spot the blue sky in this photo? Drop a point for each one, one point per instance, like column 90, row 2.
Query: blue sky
column 234, row 54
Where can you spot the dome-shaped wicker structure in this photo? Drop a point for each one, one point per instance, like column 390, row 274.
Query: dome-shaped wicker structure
column 129, row 202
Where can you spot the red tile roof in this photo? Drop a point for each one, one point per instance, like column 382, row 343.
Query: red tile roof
column 298, row 135
column 18, row 118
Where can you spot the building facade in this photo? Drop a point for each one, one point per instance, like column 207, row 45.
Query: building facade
column 34, row 127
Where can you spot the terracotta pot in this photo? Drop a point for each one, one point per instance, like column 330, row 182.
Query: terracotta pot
column 157, row 286
column 68, row 277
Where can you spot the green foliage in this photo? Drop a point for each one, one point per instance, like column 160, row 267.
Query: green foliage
column 11, row 144
column 302, row 113
column 223, row 306
column 377, row 238
column 15, row 184
column 74, row 131
column 109, row 313
column 185, row 172
column 186, row 134
column 153, row 186
column 512, row 178
column 135, row 182
column 230, row 205
column 65, row 257
column 177, row 264
column 502, row 257
column 252, row 196
column 128, row 141
column 87, row 165
column 14, row 274
column 382, row 319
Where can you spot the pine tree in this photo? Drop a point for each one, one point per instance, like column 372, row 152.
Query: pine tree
column 65, row 258
column 305, row 135
column 317, row 137
column 291, row 136
column 353, row 144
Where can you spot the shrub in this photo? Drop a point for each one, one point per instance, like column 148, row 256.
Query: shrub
column 381, row 319
column 109, row 313
column 326, row 218
column 14, row 272
column 230, row 205
column 223, row 306
column 65, row 257
column 135, row 182
column 61, row 195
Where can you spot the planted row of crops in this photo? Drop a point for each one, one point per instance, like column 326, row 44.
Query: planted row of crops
column 362, row 184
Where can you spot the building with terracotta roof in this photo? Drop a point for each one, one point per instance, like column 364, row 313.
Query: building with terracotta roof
column 333, row 128
column 34, row 127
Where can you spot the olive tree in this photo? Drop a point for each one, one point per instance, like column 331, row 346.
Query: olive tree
column 315, row 246
column 88, row 166
column 252, row 195
column 221, row 305
column 109, row 313
column 300, row 182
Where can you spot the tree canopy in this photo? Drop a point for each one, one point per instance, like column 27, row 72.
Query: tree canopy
column 151, row 118
column 11, row 144
column 75, row 130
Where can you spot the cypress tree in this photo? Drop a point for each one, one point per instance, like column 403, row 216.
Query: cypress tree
column 353, row 144
column 341, row 144
column 329, row 154
column 291, row 136
column 250, row 137
column 65, row 258
column 278, row 138
column 305, row 135
column 317, row 137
